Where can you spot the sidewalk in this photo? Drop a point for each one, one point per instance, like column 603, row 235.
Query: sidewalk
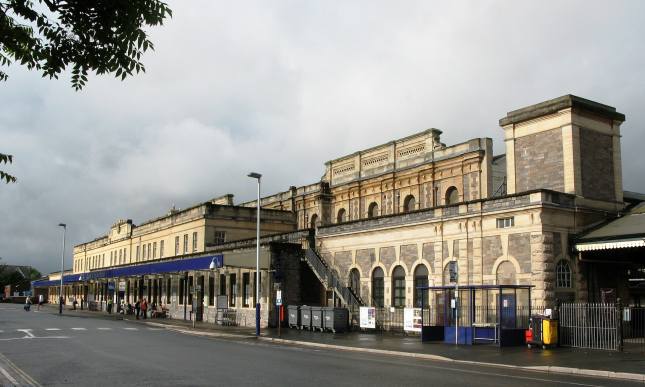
column 559, row 360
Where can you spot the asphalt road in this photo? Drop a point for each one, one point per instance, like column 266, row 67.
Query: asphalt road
column 42, row 348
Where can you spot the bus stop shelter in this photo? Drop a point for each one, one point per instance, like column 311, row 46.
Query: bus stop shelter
column 476, row 314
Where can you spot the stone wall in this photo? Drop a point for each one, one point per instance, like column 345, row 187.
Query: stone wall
column 539, row 161
column 597, row 165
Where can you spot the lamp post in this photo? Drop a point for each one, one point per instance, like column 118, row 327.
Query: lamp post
column 257, row 176
column 62, row 268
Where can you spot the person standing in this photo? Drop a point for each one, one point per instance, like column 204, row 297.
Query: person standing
column 137, row 307
column 41, row 300
column 144, row 308
column 109, row 305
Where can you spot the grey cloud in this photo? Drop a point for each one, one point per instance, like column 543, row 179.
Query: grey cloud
column 285, row 86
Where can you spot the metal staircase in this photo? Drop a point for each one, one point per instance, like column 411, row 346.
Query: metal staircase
column 329, row 280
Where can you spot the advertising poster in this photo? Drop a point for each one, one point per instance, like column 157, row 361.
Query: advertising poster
column 412, row 319
column 368, row 317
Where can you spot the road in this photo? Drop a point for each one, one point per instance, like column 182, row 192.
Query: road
column 42, row 348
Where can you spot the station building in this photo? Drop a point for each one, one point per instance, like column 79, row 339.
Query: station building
column 383, row 221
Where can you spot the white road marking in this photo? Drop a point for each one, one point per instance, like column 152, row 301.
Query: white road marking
column 154, row 329
column 79, row 329
column 6, row 375
column 104, row 329
column 1, row 331
column 27, row 332
column 52, row 329
column 131, row 329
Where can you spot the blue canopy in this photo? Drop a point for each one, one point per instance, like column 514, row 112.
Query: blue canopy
column 174, row 266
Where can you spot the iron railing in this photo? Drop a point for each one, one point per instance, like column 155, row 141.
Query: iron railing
column 590, row 325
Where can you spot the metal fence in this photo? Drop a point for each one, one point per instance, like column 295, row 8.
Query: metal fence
column 590, row 325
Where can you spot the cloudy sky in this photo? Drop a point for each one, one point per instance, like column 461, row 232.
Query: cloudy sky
column 280, row 87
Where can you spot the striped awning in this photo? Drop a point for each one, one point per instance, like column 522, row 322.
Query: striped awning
column 610, row 245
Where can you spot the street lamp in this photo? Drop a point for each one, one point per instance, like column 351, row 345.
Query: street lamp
column 257, row 176
column 62, row 268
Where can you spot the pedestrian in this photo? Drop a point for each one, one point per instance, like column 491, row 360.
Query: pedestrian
column 74, row 303
column 144, row 308
column 41, row 300
column 27, row 303
column 109, row 306
column 137, row 307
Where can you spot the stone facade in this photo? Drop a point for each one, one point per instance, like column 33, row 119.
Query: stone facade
column 597, row 171
column 539, row 161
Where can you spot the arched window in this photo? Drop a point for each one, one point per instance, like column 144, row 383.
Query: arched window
column 506, row 274
column 314, row 220
column 420, row 280
column 378, row 291
column 563, row 275
column 447, row 280
column 398, row 287
column 452, row 196
column 409, row 203
column 341, row 216
column 372, row 210
column 355, row 281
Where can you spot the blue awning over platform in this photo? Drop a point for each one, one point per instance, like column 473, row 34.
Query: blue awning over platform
column 173, row 266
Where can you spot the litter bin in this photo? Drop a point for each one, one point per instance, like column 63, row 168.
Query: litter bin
column 335, row 319
column 542, row 332
column 305, row 317
column 294, row 316
column 317, row 318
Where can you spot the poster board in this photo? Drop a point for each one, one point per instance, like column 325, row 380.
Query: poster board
column 368, row 317
column 412, row 319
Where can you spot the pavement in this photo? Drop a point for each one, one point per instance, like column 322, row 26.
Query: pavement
column 571, row 361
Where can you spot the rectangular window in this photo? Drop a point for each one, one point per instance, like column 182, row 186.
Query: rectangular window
column 138, row 255
column 125, row 255
column 161, row 249
column 185, row 243
column 176, row 245
column 219, row 238
column 144, row 252
column 120, row 256
column 246, row 288
column 149, row 250
column 222, row 284
column 181, row 291
column 194, row 241
column 232, row 289
column 211, row 290
column 154, row 250
column 505, row 222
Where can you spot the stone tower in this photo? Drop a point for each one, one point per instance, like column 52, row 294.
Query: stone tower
column 567, row 144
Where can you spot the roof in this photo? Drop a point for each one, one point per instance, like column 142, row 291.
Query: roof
column 627, row 231
column 557, row 104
